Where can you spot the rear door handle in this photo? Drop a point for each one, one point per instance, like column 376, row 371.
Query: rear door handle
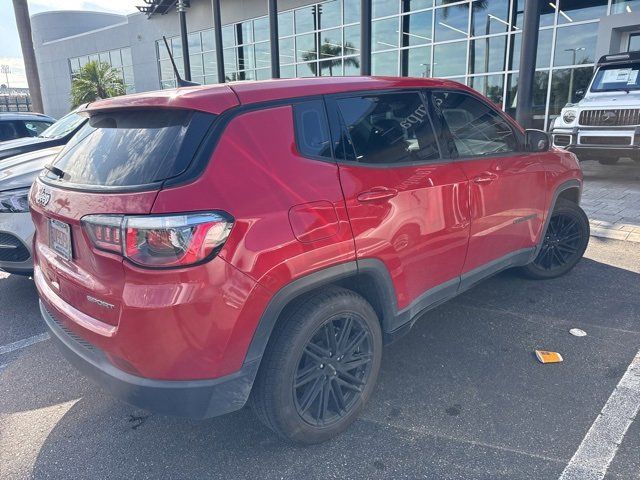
column 485, row 179
column 377, row 194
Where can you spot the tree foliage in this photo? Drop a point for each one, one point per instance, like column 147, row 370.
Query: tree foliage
column 94, row 81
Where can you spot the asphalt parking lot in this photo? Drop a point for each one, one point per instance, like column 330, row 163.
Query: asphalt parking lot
column 461, row 397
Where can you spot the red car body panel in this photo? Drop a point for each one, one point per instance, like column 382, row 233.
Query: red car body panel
column 293, row 216
column 421, row 233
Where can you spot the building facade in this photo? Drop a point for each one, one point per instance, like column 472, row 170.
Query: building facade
column 476, row 42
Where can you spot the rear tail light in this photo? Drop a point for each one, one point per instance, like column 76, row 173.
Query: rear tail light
column 160, row 241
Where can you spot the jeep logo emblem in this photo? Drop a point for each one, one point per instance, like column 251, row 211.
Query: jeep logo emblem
column 608, row 117
column 43, row 197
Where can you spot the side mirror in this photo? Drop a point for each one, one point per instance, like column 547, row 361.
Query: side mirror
column 536, row 140
column 579, row 94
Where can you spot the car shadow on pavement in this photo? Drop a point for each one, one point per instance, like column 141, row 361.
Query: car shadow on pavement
column 461, row 396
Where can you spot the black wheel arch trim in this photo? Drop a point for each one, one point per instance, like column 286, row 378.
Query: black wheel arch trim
column 569, row 184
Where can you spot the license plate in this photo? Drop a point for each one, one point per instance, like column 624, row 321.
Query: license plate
column 60, row 238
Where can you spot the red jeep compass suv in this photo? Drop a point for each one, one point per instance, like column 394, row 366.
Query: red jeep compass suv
column 203, row 247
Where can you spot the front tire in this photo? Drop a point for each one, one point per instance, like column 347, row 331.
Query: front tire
column 320, row 367
column 564, row 243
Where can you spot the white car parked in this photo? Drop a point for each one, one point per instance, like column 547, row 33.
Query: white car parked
column 16, row 227
column 605, row 124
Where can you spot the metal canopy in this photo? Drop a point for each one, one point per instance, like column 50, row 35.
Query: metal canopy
column 158, row 7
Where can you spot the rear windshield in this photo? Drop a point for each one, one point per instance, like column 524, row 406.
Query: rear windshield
column 127, row 148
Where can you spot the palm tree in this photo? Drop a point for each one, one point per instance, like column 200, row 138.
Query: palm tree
column 331, row 52
column 94, row 81
column 23, row 22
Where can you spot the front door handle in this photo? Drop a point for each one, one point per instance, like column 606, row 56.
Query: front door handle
column 377, row 194
column 485, row 179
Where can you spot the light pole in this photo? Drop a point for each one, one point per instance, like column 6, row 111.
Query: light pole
column 573, row 62
column 6, row 70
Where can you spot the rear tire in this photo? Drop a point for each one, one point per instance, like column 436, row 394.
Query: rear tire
column 320, row 367
column 608, row 161
column 564, row 243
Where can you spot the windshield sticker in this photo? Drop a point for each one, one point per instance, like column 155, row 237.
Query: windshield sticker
column 617, row 76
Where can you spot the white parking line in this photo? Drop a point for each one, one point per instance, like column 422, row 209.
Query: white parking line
column 25, row 342
column 599, row 446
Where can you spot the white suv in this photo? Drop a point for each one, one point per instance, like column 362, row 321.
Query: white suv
column 605, row 124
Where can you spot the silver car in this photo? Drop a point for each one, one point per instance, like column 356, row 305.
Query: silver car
column 16, row 227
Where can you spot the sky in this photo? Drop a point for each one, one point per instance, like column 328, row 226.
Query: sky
column 10, row 51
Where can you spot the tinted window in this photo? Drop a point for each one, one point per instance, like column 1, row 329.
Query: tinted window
column 312, row 131
column 10, row 130
column 387, row 128
column 131, row 147
column 475, row 127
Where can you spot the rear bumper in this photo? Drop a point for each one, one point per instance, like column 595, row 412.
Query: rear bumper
column 185, row 398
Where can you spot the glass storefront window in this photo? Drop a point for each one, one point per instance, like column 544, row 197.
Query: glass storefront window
column 329, row 14
column 383, row 8
column 331, row 45
column 305, row 19
column 330, row 68
column 285, row 23
column 489, row 17
column 352, row 40
column 209, row 63
column 385, row 63
column 352, row 66
column 287, row 52
column 194, row 42
column 491, row 86
column 564, row 84
column 208, row 43
column 543, row 54
column 540, row 83
column 419, row 4
column 351, row 12
column 228, row 36
column 546, row 15
column 306, row 47
column 575, row 45
column 578, row 10
column 384, row 34
column 448, row 59
column 452, row 22
column 625, row 6
column 195, row 62
column 488, row 54
column 416, row 29
column 261, row 29
column 263, row 54
column 418, row 62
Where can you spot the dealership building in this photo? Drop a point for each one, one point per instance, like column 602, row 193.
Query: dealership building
column 476, row 42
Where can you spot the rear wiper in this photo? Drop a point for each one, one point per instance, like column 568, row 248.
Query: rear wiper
column 55, row 170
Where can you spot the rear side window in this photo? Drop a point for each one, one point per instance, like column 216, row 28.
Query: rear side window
column 475, row 127
column 387, row 128
column 312, row 130
column 128, row 148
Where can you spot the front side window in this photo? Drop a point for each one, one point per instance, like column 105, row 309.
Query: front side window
column 36, row 128
column 386, row 128
column 476, row 129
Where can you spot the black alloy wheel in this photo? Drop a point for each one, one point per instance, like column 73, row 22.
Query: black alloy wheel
column 333, row 368
column 561, row 243
column 564, row 242
column 320, row 367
